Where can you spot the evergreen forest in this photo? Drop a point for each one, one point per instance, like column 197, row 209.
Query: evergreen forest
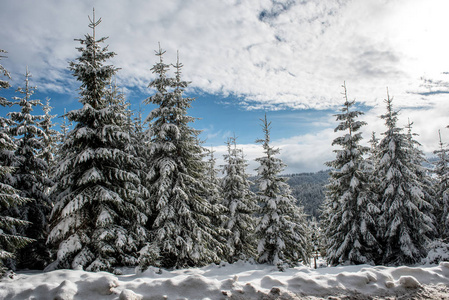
column 113, row 188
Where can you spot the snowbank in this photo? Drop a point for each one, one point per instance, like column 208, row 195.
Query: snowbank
column 237, row 281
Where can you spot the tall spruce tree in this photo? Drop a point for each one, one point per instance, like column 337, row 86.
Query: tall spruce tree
column 241, row 205
column 350, row 206
column 372, row 153
column 30, row 176
column 65, row 127
column 282, row 230
column 442, row 189
column 99, row 217
column 422, row 173
column 371, row 164
column 404, row 227
column 51, row 138
column 140, row 147
column 10, row 240
column 181, row 227
column 215, row 197
column 215, row 192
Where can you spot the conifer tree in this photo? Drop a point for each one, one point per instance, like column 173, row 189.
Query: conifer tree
column 374, row 144
column 371, row 163
column 4, row 84
column 51, row 139
column 181, row 227
column 316, row 240
column 282, row 230
column 65, row 127
column 211, row 174
column 215, row 196
column 30, row 176
column 404, row 228
column 10, row 240
column 99, row 217
column 350, row 206
column 241, row 205
column 422, row 173
column 138, row 135
column 140, row 149
column 442, row 189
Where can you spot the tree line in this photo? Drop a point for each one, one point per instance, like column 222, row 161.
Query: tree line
column 114, row 189
column 383, row 206
column 107, row 191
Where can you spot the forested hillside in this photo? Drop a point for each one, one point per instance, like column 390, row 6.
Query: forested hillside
column 308, row 189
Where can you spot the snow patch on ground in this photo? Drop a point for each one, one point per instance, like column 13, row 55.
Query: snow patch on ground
column 237, row 281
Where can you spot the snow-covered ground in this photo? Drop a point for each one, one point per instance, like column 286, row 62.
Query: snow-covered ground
column 237, row 281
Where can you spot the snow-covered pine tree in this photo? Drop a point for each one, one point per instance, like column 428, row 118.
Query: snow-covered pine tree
column 7, row 152
column 215, row 196
column 374, row 143
column 350, row 206
column 100, row 212
column 182, row 228
column 442, row 189
column 51, row 139
column 241, row 205
column 30, row 176
column 422, row 172
column 65, row 127
column 211, row 174
column 282, row 231
column 140, row 150
column 4, row 84
column 371, row 163
column 316, row 240
column 10, row 240
column 404, row 228
column 138, row 136
column 116, row 99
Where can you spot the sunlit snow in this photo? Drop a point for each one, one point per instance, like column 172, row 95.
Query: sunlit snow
column 237, row 281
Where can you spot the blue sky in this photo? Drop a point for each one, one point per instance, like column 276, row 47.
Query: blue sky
column 244, row 58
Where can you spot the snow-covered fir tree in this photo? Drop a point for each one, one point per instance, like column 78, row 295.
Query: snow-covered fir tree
column 138, row 136
column 316, row 240
column 442, row 189
column 212, row 175
column 404, row 227
column 4, row 76
column 241, row 204
column 422, row 173
column 181, row 227
column 30, row 175
column 372, row 153
column 282, row 230
column 117, row 100
column 371, row 163
column 65, row 127
column 10, row 240
column 215, row 195
column 350, row 206
column 51, row 138
column 100, row 212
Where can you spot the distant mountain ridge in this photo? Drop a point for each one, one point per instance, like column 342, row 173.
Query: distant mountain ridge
column 308, row 189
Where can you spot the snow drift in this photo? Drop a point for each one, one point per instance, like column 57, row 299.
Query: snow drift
column 236, row 281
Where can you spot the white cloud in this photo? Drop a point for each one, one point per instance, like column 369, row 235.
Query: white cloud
column 275, row 54
column 294, row 54
column 304, row 153
column 309, row 152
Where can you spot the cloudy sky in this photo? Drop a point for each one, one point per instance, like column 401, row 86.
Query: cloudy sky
column 246, row 57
